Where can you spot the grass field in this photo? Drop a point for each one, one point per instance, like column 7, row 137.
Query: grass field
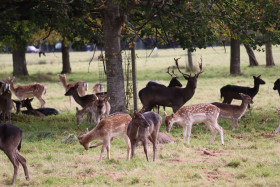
column 250, row 156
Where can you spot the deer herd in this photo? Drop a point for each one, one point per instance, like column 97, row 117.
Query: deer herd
column 143, row 126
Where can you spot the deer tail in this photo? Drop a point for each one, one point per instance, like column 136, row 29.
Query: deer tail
column 19, row 145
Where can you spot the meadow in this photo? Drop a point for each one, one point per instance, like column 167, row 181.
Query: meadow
column 250, row 156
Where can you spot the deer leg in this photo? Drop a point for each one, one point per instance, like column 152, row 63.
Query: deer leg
column 145, row 149
column 154, row 141
column 105, row 144
column 42, row 101
column 70, row 100
column 12, row 156
column 212, row 130
column 277, row 129
column 128, row 145
column 108, row 150
column 235, row 123
column 189, row 127
column 133, row 145
column 22, row 161
column 220, row 130
column 185, row 130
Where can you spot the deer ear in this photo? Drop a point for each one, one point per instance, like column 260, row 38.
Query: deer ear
column 86, row 131
column 31, row 99
column 77, row 109
column 254, row 77
column 187, row 78
column 165, row 114
column 134, row 114
column 259, row 76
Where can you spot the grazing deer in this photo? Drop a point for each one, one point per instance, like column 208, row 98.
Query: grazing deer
column 172, row 97
column 32, row 90
column 278, row 128
column 6, row 104
column 144, row 127
column 277, row 86
column 230, row 92
column 99, row 107
column 97, row 88
column 81, row 89
column 10, row 143
column 186, row 116
column 234, row 112
column 27, row 103
column 105, row 130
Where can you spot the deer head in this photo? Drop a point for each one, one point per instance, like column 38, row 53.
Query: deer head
column 186, row 76
column 168, row 121
column 246, row 98
column 258, row 80
column 139, row 120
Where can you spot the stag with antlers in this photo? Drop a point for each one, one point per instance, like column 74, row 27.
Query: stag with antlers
column 174, row 97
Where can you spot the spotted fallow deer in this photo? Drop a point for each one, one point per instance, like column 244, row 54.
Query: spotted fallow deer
column 234, row 112
column 186, row 116
column 81, row 89
column 31, row 90
column 278, row 128
column 114, row 125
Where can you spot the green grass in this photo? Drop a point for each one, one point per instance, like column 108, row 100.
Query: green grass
column 250, row 156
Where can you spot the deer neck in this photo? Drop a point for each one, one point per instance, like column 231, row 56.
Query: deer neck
column 64, row 82
column 189, row 92
column 132, row 130
column 244, row 105
column 90, row 136
column 12, row 87
column 256, row 88
column 76, row 96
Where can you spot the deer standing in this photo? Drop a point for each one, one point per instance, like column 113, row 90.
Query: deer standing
column 32, row 90
column 97, row 88
column 278, row 128
column 81, row 89
column 6, row 104
column 99, row 107
column 186, row 116
column 144, row 127
column 277, row 86
column 230, row 92
column 10, row 143
column 106, row 129
column 172, row 97
column 234, row 112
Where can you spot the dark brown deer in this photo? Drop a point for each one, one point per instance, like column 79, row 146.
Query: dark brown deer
column 81, row 100
column 6, row 104
column 10, row 143
column 172, row 97
column 277, row 86
column 230, row 92
column 142, row 128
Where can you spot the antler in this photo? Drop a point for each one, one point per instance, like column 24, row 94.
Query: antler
column 173, row 72
column 168, row 72
column 200, row 67
column 184, row 74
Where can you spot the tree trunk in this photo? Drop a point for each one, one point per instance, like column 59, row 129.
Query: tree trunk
column 252, row 58
column 268, row 52
column 235, row 57
column 115, row 78
column 66, row 68
column 134, row 78
column 190, row 61
column 19, row 62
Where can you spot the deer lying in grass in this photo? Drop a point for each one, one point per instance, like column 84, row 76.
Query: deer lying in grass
column 230, row 92
column 27, row 103
column 98, row 108
column 143, row 127
column 6, row 104
column 81, row 89
column 28, row 111
column 106, row 129
column 234, row 112
column 186, row 116
column 32, row 90
column 172, row 97
column 10, row 143
column 278, row 128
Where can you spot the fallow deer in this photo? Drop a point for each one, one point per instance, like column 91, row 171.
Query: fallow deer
column 278, row 128
column 105, row 130
column 6, row 104
column 230, row 92
column 98, row 108
column 32, row 90
column 277, row 86
column 81, row 89
column 172, row 97
column 186, row 116
column 234, row 112
column 97, row 88
column 10, row 143
column 142, row 128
